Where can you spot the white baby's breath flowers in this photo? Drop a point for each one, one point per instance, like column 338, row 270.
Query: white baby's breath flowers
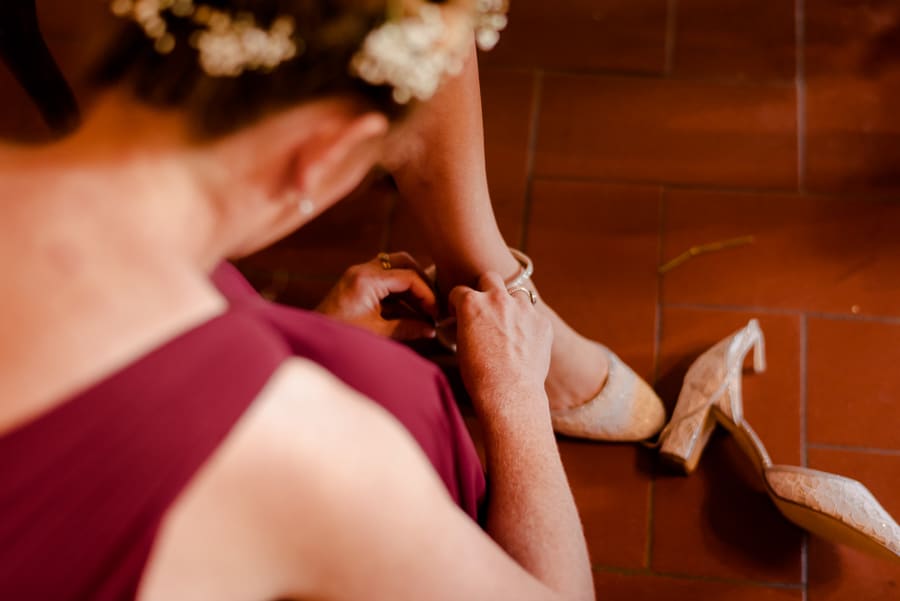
column 402, row 54
column 230, row 47
column 412, row 53
column 226, row 46
column 490, row 20
column 416, row 52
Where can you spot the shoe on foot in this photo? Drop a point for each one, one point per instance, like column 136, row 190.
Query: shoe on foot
column 625, row 410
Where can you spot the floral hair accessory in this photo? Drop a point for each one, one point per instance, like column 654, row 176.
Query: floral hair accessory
column 413, row 51
column 226, row 46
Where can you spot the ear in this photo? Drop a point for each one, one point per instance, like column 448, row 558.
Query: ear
column 331, row 163
column 321, row 149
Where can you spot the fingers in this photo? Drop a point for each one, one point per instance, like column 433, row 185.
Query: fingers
column 408, row 329
column 399, row 272
column 523, row 293
column 402, row 260
column 491, row 282
column 397, row 281
column 458, row 297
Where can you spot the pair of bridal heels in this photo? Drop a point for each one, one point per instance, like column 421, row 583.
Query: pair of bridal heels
column 625, row 410
column 834, row 507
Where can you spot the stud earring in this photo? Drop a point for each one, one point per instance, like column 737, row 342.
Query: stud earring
column 303, row 203
column 305, row 206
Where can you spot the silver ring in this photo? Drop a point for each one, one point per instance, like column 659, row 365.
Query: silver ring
column 531, row 295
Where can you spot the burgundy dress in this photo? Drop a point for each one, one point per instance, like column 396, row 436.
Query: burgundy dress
column 84, row 487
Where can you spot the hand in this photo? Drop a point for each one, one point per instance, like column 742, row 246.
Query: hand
column 358, row 298
column 503, row 342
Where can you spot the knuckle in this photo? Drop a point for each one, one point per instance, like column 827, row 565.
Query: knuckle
column 355, row 276
column 470, row 303
column 466, row 298
column 349, row 274
column 501, row 297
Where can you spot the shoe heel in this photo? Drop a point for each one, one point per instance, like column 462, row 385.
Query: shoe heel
column 758, row 342
column 682, row 444
column 693, row 421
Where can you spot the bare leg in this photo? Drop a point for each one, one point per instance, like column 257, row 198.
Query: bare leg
column 443, row 181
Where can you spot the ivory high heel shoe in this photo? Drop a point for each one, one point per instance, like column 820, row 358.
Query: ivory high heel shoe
column 834, row 507
column 625, row 410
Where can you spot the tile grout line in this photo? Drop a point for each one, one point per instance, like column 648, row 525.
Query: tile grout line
column 879, row 319
column 537, row 89
column 824, row 446
column 651, row 508
column 671, row 29
column 800, row 82
column 657, row 345
column 804, row 387
column 804, row 460
column 660, row 281
column 653, row 74
column 689, row 186
column 696, row 577
column 855, row 196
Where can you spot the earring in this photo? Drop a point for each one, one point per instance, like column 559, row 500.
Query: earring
column 303, row 203
column 306, row 206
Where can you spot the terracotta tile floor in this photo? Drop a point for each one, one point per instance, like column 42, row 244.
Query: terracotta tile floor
column 713, row 139
column 620, row 133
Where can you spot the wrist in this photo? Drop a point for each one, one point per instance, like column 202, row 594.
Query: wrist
column 512, row 406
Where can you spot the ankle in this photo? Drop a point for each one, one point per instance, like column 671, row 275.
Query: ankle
column 466, row 270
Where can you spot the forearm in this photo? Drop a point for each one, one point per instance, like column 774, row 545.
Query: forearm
column 531, row 512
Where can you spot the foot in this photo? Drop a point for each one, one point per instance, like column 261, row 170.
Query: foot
column 592, row 393
column 578, row 366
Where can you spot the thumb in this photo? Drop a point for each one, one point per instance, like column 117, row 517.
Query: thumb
column 409, row 329
column 491, row 281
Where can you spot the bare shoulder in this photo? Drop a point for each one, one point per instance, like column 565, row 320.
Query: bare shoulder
column 255, row 511
column 319, row 493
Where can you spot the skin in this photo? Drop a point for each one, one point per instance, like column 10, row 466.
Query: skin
column 358, row 296
column 123, row 222
column 441, row 175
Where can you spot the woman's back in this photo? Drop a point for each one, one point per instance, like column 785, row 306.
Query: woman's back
column 83, row 488
column 86, row 485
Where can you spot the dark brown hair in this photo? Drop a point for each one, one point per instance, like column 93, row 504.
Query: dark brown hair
column 331, row 32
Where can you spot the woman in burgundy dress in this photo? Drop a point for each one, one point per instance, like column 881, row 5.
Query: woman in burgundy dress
column 164, row 438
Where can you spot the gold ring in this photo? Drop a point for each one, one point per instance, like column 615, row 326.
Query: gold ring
column 531, row 295
column 385, row 260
